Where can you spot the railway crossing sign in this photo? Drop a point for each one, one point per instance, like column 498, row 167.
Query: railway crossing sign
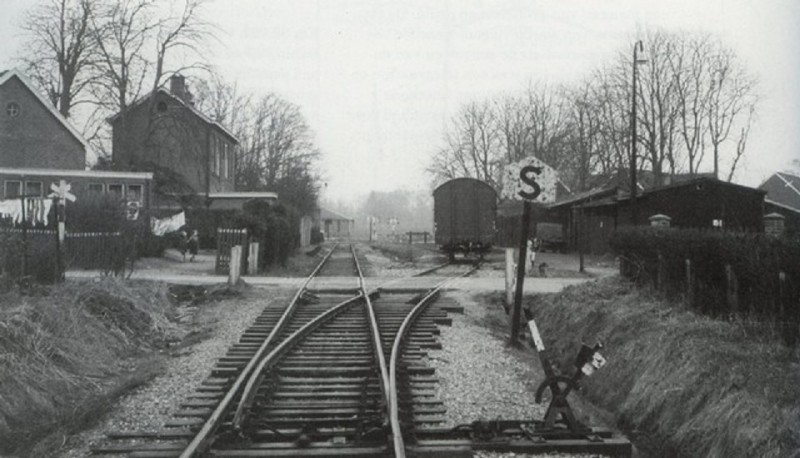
column 530, row 179
column 62, row 191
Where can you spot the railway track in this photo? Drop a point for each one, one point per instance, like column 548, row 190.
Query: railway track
column 340, row 371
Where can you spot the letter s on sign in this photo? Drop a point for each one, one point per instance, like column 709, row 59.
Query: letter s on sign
column 527, row 177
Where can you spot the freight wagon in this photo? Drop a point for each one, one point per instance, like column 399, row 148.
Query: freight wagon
column 464, row 212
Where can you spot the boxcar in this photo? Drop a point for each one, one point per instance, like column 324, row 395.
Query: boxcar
column 464, row 212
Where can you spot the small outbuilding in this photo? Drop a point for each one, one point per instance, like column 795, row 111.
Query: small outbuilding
column 334, row 225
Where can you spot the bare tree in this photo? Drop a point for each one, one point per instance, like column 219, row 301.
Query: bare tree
column 584, row 136
column 472, row 146
column 731, row 97
column 59, row 52
column 122, row 31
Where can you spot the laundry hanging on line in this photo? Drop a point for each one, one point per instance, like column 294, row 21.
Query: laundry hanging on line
column 170, row 224
column 37, row 211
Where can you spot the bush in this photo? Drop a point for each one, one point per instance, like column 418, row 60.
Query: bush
column 756, row 260
column 275, row 228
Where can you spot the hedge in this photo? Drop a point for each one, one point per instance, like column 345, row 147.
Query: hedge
column 747, row 275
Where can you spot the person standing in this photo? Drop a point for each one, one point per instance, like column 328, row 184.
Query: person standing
column 193, row 244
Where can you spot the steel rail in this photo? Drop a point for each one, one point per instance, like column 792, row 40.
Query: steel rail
column 376, row 334
column 432, row 269
column 394, row 415
column 202, row 439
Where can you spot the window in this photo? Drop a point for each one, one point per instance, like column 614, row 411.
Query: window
column 12, row 109
column 716, row 223
column 135, row 192
column 217, row 155
column 96, row 188
column 115, row 189
column 33, row 189
column 161, row 107
column 12, row 189
column 225, row 152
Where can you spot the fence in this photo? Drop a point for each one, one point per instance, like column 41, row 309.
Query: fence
column 33, row 252
column 227, row 238
column 750, row 276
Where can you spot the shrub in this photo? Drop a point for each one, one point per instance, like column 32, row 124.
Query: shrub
column 756, row 261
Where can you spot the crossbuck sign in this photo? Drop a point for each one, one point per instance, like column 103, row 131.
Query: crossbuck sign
column 530, row 179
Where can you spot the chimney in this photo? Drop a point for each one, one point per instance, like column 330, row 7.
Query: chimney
column 177, row 86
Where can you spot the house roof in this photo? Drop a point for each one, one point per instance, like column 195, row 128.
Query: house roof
column 6, row 75
column 787, row 191
column 324, row 213
column 190, row 107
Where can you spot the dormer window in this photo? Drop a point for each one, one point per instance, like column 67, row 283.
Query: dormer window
column 12, row 109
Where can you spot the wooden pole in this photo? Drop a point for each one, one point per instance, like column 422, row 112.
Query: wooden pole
column 24, row 239
column 523, row 245
column 509, row 277
column 580, row 226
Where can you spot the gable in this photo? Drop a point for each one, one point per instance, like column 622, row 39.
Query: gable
column 783, row 188
column 13, row 77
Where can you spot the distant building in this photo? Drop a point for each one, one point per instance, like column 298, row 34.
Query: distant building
column 39, row 147
column 334, row 225
column 783, row 197
column 165, row 130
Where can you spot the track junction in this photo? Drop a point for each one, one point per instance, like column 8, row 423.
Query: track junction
column 339, row 371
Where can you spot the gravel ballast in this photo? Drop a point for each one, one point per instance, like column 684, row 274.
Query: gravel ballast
column 481, row 377
column 150, row 406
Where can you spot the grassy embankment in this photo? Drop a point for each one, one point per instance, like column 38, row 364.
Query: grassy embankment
column 683, row 384
column 67, row 351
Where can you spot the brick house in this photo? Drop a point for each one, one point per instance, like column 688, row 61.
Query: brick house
column 32, row 132
column 164, row 129
column 38, row 147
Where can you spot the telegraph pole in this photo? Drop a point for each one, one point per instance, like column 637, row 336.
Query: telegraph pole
column 637, row 47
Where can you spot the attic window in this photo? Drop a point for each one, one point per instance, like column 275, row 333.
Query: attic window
column 12, row 109
column 161, row 107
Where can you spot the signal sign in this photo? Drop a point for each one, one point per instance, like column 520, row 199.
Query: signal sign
column 530, row 179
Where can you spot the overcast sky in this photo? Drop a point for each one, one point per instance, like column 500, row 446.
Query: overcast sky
column 379, row 80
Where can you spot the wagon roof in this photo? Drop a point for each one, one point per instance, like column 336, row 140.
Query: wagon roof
column 450, row 182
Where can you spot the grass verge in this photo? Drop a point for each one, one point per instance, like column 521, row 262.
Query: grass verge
column 68, row 351
column 681, row 384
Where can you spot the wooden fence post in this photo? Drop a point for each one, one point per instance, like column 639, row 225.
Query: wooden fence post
column 689, row 283
column 787, row 322
column 235, row 265
column 661, row 275
column 252, row 258
column 731, row 289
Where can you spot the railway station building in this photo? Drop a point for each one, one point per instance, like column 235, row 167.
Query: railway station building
column 39, row 147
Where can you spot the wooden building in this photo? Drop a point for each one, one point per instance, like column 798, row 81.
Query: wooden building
column 702, row 203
